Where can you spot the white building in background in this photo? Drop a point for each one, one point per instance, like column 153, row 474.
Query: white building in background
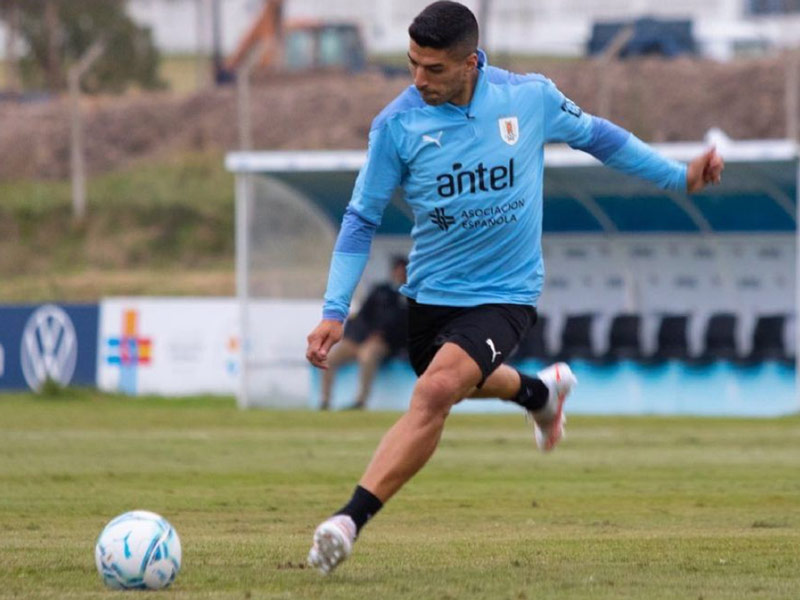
column 560, row 27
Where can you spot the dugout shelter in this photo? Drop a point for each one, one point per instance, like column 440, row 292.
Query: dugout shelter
column 614, row 246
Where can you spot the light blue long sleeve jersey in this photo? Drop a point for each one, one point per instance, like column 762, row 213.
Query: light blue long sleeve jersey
column 473, row 177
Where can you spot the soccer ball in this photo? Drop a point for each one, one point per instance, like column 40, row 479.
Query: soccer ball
column 138, row 550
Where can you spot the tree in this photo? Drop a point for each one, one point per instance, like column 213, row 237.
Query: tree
column 56, row 33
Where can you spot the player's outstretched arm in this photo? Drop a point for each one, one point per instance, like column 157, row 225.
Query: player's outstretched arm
column 704, row 170
column 321, row 340
column 620, row 149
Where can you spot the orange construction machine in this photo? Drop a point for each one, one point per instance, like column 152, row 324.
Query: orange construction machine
column 296, row 45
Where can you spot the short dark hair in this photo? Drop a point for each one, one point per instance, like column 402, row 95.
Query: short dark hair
column 446, row 25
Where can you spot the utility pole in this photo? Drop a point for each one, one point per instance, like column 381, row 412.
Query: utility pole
column 53, row 28
column 609, row 55
column 793, row 95
column 77, row 162
column 483, row 22
column 216, row 31
column 12, row 64
column 243, row 86
column 202, row 24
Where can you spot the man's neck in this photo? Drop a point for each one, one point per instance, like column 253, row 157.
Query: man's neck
column 469, row 90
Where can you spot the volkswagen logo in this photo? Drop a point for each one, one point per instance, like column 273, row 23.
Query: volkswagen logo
column 49, row 347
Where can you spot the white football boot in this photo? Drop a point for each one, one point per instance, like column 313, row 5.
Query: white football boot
column 333, row 543
column 549, row 421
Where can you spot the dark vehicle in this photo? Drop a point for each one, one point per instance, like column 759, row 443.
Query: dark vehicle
column 651, row 37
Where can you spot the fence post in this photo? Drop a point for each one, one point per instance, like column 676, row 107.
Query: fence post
column 78, row 166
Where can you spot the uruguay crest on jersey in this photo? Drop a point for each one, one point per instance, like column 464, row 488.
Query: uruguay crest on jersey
column 509, row 130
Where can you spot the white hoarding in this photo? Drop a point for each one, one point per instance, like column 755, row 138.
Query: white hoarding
column 186, row 346
column 168, row 346
column 276, row 373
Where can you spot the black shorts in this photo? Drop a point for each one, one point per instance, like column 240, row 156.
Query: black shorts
column 489, row 333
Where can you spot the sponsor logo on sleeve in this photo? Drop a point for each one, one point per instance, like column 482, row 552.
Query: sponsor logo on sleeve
column 569, row 107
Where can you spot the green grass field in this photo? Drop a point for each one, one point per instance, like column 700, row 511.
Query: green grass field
column 625, row 508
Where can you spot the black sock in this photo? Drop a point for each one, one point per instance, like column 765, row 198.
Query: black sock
column 532, row 394
column 362, row 507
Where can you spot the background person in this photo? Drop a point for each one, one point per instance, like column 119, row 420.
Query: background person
column 376, row 332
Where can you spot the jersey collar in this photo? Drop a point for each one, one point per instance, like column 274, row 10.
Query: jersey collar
column 479, row 93
column 481, row 86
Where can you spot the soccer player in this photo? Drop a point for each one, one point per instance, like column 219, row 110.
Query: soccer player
column 466, row 143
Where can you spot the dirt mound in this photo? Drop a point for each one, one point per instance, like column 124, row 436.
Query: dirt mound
column 658, row 100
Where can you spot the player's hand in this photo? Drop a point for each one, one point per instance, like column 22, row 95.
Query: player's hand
column 321, row 340
column 704, row 170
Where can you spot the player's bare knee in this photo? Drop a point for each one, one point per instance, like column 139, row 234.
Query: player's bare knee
column 436, row 393
column 426, row 413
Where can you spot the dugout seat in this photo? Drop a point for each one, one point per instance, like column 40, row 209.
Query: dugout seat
column 672, row 339
column 624, row 340
column 720, row 338
column 534, row 344
column 768, row 339
column 576, row 337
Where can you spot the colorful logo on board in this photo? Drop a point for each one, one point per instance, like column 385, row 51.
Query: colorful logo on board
column 130, row 351
column 232, row 355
